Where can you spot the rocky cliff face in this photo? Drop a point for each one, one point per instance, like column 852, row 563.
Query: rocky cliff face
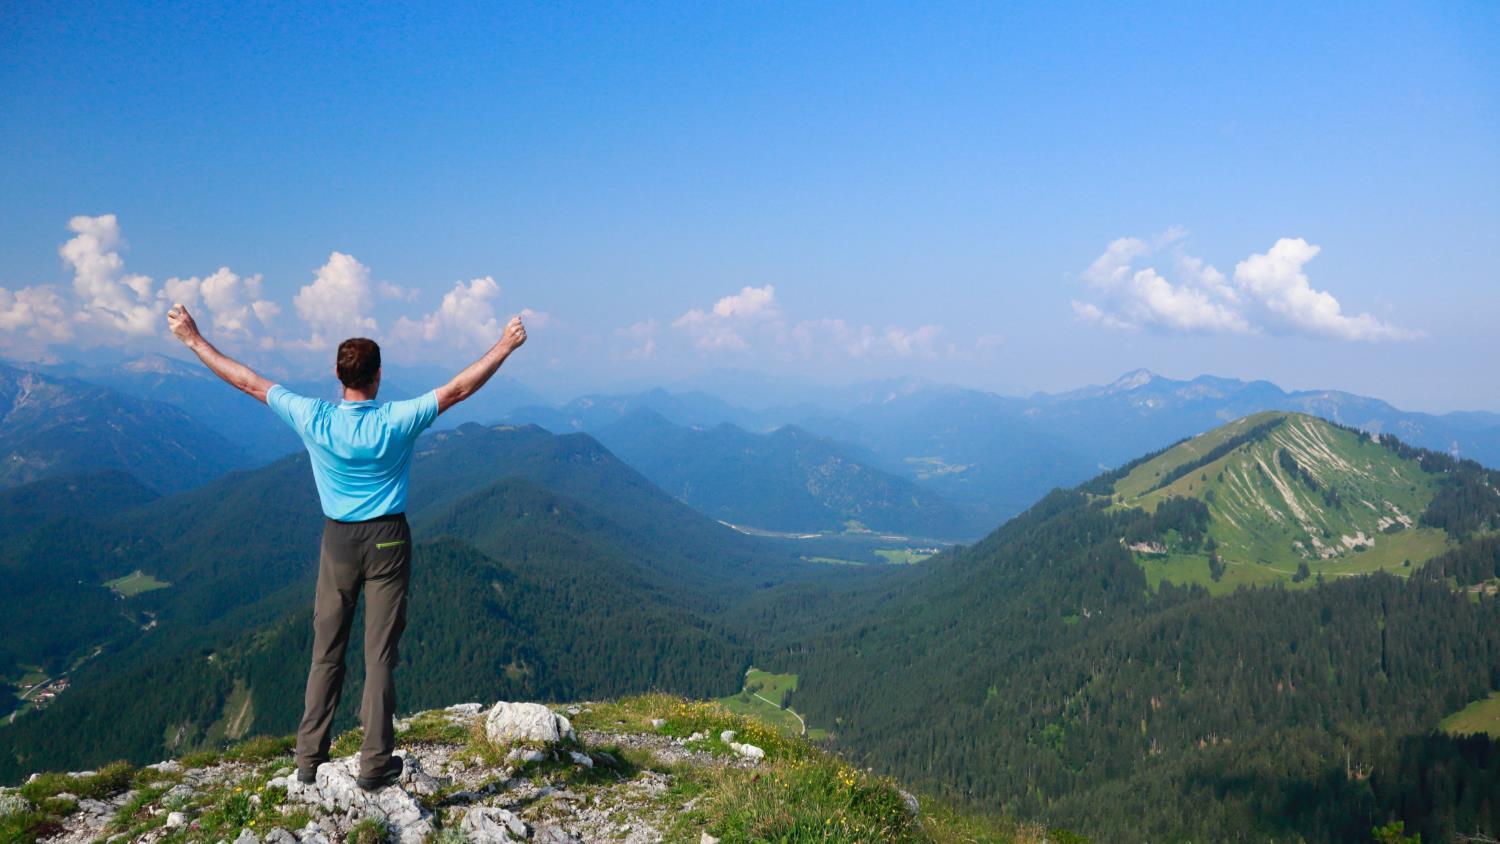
column 648, row 769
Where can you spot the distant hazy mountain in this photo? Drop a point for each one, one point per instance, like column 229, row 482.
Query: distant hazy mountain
column 786, row 480
column 191, row 388
column 61, row 426
column 1005, row 453
column 596, row 412
column 1140, row 408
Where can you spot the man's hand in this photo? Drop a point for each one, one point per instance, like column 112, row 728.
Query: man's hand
column 182, row 324
column 466, row 383
column 515, row 334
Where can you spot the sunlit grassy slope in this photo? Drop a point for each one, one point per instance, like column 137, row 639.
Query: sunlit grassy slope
column 1295, row 490
column 1481, row 716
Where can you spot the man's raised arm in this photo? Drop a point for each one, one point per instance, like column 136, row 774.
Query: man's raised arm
column 468, row 382
column 238, row 375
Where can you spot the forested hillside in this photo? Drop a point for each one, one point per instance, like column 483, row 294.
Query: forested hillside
column 51, row 427
column 627, row 580
column 1077, row 692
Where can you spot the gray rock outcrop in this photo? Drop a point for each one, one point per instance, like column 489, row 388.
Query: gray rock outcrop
column 335, row 790
column 514, row 723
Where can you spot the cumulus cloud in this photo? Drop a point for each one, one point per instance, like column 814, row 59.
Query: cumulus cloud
column 1269, row 293
column 233, row 304
column 722, row 328
column 336, row 304
column 32, row 318
column 1280, row 291
column 464, row 319
column 108, row 306
column 106, row 296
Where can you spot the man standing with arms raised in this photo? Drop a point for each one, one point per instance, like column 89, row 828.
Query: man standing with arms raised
column 361, row 459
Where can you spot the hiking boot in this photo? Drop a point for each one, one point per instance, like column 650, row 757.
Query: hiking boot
column 307, row 777
column 387, row 775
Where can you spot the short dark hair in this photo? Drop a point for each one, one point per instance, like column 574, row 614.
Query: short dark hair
column 359, row 360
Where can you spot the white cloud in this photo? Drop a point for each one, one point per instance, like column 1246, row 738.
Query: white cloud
column 1269, row 293
column 32, row 318
column 464, row 319
column 720, row 329
column 232, row 303
column 1275, row 283
column 106, row 298
column 335, row 306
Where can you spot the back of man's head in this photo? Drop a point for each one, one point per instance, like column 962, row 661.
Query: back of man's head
column 358, row 362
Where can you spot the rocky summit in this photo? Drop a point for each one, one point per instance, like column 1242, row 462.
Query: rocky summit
column 647, row 769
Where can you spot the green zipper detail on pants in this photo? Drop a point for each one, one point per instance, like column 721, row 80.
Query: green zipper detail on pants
column 390, row 544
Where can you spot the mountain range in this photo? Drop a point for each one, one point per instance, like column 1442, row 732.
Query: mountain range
column 1078, row 683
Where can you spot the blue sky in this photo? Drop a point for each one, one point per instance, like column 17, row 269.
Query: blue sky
column 1014, row 198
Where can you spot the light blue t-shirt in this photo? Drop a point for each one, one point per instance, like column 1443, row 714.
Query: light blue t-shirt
column 360, row 450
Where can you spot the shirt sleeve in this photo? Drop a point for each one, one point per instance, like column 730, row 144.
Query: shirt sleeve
column 293, row 409
column 413, row 416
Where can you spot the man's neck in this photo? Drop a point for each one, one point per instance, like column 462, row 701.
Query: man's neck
column 358, row 395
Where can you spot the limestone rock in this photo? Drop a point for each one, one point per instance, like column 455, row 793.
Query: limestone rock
column 280, row 836
column 658, row 723
column 312, row 834
column 335, row 790
column 176, row 819
column 553, row 834
column 582, row 759
column 749, row 751
column 727, row 736
column 466, row 708
column 247, row 837
column 489, row 825
column 510, row 723
column 705, row 838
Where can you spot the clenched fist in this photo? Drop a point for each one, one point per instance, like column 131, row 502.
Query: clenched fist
column 181, row 323
column 515, row 333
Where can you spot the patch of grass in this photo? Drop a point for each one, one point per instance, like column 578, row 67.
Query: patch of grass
column 106, row 782
column 683, row 718
column 761, row 698
column 610, row 765
column 134, row 584
column 256, row 749
column 348, row 743
column 814, row 798
column 902, row 556
column 1481, row 716
column 250, row 803
column 833, row 561
column 434, row 728
column 136, row 817
column 261, row 749
column 368, row 831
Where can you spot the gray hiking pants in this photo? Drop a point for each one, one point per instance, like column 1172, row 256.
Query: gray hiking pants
column 375, row 555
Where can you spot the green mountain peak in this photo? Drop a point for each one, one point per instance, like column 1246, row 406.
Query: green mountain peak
column 1288, row 497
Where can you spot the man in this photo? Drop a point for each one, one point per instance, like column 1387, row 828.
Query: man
column 361, row 457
